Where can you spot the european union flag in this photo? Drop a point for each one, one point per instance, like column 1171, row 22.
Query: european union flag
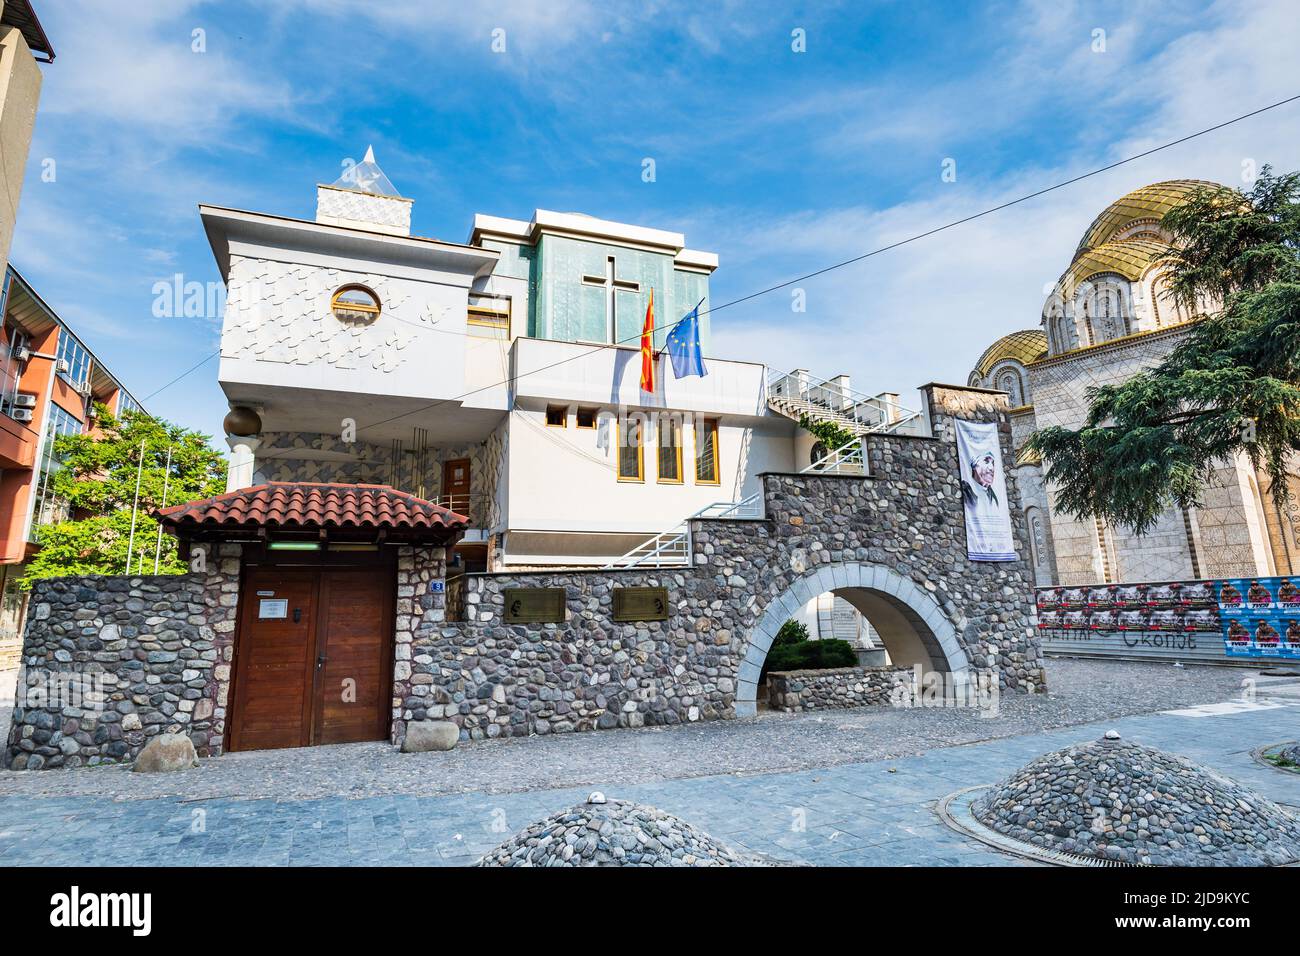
column 683, row 345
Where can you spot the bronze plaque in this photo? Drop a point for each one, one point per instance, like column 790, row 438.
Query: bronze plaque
column 534, row 606
column 640, row 604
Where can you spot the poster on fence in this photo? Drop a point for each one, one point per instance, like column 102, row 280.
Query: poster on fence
column 984, row 493
column 1261, row 617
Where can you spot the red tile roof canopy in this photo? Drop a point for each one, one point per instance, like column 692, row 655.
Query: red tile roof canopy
column 352, row 512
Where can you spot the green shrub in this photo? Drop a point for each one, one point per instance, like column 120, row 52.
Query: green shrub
column 792, row 632
column 792, row 651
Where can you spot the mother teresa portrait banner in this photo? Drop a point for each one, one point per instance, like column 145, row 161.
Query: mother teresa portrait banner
column 984, row 493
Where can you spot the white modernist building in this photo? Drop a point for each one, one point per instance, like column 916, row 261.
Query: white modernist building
column 499, row 376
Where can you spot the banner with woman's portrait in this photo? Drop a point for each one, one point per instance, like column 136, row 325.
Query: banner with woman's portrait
column 984, row 493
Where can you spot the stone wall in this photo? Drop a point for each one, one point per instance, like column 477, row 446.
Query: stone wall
column 838, row 687
column 901, row 529
column 893, row 543
column 109, row 662
column 420, row 612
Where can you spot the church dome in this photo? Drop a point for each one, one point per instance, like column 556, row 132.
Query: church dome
column 1126, row 257
column 1112, row 799
column 1024, row 346
column 1148, row 203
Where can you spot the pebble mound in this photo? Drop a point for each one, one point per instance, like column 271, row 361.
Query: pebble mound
column 1291, row 754
column 1115, row 800
column 613, row 833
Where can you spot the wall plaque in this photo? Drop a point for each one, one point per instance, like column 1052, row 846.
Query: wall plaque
column 640, row 604
column 534, row 606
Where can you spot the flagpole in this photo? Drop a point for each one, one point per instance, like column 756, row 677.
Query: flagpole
column 130, row 544
column 167, row 477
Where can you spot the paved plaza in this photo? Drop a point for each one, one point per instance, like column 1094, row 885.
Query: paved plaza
column 869, row 808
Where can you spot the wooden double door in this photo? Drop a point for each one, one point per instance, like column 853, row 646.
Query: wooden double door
column 313, row 657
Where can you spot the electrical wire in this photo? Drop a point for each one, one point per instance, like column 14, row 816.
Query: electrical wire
column 816, row 273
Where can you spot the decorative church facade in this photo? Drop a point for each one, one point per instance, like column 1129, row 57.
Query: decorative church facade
column 1110, row 316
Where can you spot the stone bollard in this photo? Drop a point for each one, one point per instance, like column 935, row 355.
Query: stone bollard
column 426, row 735
column 165, row 753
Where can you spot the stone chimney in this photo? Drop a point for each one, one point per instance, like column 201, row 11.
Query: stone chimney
column 364, row 198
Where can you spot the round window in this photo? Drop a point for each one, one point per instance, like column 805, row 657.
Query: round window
column 355, row 305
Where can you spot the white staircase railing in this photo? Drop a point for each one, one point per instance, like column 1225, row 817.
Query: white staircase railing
column 796, row 393
column 672, row 548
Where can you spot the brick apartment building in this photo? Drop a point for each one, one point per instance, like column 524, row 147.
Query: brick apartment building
column 49, row 384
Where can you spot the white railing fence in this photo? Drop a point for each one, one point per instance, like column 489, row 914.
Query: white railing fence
column 798, row 392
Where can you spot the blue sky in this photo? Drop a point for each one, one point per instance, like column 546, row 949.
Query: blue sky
column 780, row 162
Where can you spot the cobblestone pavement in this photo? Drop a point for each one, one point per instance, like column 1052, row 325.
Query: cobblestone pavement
column 878, row 812
column 1082, row 691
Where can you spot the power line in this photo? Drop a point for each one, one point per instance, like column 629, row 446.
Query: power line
column 1009, row 203
column 192, row 368
column 824, row 270
column 874, row 252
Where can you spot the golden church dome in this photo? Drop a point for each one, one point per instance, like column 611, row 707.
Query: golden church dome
column 1024, row 346
column 1149, row 202
column 1126, row 257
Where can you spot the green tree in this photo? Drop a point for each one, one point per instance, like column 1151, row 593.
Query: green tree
column 97, row 478
column 1231, row 385
column 830, row 435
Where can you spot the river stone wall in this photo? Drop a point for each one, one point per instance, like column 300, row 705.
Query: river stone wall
column 110, row 662
column 162, row 646
column 904, row 523
column 793, row 691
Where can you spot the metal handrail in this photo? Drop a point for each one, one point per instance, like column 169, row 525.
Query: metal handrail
column 839, row 400
column 848, row 459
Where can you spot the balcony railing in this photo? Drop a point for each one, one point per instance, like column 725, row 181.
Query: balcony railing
column 472, row 506
column 832, row 399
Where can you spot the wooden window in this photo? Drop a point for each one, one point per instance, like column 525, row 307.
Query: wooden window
column 670, row 451
column 557, row 416
column 706, row 452
column 587, row 417
column 489, row 310
column 630, row 457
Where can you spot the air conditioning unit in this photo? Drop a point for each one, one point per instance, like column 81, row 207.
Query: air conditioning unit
column 63, row 368
column 24, row 400
column 21, row 354
column 22, row 414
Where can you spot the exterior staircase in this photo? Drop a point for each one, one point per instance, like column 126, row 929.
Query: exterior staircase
column 797, row 394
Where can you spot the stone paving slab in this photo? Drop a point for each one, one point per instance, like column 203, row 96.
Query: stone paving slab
column 1081, row 692
column 874, row 813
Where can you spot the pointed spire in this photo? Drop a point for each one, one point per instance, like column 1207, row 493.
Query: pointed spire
column 367, row 177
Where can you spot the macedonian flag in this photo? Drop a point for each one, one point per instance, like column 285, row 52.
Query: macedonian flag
column 648, row 347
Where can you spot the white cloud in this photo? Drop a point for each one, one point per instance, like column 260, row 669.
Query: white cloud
column 926, row 311
column 132, row 68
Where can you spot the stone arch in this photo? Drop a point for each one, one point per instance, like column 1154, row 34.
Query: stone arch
column 910, row 622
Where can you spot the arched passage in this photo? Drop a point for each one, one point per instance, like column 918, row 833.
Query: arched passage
column 909, row 621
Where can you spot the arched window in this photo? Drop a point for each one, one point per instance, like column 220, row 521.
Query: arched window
column 1009, row 382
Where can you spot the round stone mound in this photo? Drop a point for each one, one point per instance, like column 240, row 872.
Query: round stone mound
column 1121, row 801
column 613, row 833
